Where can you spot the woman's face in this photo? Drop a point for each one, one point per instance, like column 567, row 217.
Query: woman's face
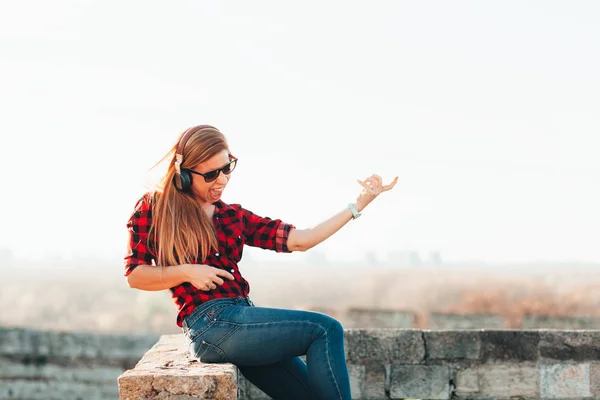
column 209, row 192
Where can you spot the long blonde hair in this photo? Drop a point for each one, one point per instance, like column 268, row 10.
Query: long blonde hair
column 180, row 227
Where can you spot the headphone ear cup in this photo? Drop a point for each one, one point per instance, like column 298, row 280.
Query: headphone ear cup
column 186, row 180
column 183, row 181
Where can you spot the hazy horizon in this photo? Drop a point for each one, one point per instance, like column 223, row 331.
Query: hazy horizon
column 487, row 112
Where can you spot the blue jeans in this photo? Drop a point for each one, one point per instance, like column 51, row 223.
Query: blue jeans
column 265, row 344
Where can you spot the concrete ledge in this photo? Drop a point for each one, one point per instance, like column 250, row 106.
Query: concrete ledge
column 168, row 372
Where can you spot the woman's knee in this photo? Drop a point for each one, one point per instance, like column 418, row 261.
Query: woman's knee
column 330, row 325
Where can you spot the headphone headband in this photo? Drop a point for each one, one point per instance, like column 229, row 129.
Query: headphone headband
column 184, row 138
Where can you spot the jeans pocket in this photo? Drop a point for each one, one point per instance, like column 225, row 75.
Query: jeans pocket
column 202, row 322
column 199, row 326
column 207, row 353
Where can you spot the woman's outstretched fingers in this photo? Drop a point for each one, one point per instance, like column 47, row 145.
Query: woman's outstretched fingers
column 368, row 188
column 363, row 184
column 377, row 179
column 391, row 185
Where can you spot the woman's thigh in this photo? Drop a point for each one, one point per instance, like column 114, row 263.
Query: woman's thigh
column 253, row 336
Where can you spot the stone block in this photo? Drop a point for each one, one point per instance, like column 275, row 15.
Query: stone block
column 570, row 345
column 384, row 346
column 595, row 379
column 55, row 390
column 243, row 387
column 511, row 346
column 92, row 375
column 375, row 381
column 467, row 382
column 420, row 382
column 357, row 380
column 123, row 348
column 67, row 347
column 254, row 393
column 248, row 391
column 506, row 381
column 452, row 345
column 465, row 321
column 564, row 381
column 14, row 342
column 167, row 371
column 514, row 381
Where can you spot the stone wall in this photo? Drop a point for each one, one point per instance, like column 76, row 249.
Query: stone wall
column 384, row 364
column 415, row 364
column 65, row 365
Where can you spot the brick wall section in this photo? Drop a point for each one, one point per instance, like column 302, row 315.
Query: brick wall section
column 383, row 364
column 65, row 365
column 468, row 364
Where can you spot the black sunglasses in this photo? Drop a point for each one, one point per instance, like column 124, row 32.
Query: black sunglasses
column 213, row 175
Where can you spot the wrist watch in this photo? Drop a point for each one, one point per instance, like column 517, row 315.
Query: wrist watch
column 354, row 211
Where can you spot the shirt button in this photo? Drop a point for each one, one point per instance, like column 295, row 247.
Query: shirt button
column 217, row 254
column 232, row 271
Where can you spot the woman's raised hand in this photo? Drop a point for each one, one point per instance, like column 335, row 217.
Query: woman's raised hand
column 205, row 277
column 372, row 187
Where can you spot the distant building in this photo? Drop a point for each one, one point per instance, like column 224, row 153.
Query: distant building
column 7, row 257
column 371, row 259
column 435, row 258
column 409, row 258
column 414, row 259
column 316, row 257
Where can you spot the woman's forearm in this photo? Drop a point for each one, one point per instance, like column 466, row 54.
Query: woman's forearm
column 304, row 239
column 152, row 278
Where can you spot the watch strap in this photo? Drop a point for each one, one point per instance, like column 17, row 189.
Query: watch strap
column 354, row 211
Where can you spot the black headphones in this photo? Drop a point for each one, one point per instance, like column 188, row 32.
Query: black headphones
column 182, row 178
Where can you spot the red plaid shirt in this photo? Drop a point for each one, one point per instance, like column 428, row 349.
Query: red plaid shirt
column 234, row 226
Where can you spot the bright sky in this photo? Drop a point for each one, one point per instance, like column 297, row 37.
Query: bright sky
column 489, row 113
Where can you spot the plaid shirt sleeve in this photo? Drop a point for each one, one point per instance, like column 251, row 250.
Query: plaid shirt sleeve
column 266, row 233
column 138, row 249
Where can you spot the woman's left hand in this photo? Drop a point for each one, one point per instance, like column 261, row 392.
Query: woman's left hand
column 372, row 187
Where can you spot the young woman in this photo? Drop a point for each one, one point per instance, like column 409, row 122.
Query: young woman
column 182, row 237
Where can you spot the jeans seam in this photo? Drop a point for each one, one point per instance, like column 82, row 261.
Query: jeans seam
column 211, row 314
column 337, row 386
column 198, row 312
column 202, row 331
column 227, row 336
column 326, row 344
column 224, row 357
column 269, row 323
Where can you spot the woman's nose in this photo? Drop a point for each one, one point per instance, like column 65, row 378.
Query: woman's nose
column 222, row 179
